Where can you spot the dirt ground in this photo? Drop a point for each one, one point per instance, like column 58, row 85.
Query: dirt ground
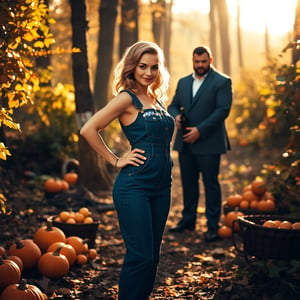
column 189, row 268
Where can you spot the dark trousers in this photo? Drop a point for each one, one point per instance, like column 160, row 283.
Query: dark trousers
column 142, row 201
column 191, row 166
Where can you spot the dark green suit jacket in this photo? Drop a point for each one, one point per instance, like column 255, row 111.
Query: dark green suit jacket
column 207, row 111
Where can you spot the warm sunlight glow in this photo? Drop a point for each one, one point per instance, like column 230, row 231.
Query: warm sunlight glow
column 278, row 15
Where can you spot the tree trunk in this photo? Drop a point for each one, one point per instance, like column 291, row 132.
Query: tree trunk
column 129, row 24
column 158, row 20
column 107, row 13
column 213, row 28
column 239, row 37
column 224, row 35
column 89, row 172
column 167, row 32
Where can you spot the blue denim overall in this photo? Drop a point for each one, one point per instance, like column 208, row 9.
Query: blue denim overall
column 142, row 200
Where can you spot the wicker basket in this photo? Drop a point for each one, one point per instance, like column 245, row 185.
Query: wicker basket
column 85, row 231
column 267, row 243
column 227, row 209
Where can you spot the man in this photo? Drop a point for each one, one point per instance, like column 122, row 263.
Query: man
column 206, row 97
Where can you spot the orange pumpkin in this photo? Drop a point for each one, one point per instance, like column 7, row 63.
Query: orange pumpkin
column 231, row 216
column 2, row 251
column 225, row 232
column 9, row 273
column 71, row 178
column 79, row 244
column 23, row 291
column 67, row 250
column 15, row 259
column 47, row 235
column 53, row 264
column 28, row 251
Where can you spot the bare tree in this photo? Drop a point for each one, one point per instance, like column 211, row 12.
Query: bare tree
column 90, row 175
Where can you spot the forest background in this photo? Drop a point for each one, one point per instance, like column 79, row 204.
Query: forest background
column 72, row 84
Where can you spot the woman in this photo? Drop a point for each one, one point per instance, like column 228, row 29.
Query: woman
column 141, row 192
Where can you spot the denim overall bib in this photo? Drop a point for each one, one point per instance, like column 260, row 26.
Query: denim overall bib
column 142, row 199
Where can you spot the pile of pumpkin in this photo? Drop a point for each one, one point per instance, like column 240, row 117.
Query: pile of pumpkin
column 56, row 185
column 49, row 251
column 254, row 196
column 82, row 216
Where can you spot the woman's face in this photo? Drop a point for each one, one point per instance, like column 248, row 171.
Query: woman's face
column 146, row 70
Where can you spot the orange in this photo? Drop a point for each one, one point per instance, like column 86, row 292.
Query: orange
column 296, row 225
column 79, row 217
column 258, row 187
column 286, row 225
column 92, row 253
column 81, row 259
column 71, row 221
column 64, row 216
column 88, row 220
column 244, row 204
column 253, row 204
column 265, row 205
column 249, row 195
column 85, row 211
column 233, row 200
column 270, row 224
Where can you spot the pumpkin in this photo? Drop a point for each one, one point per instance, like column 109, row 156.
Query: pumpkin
column 10, row 273
column 53, row 264
column 47, row 235
column 23, row 291
column 265, row 205
column 15, row 259
column 67, row 250
column 81, row 259
column 53, row 185
column 71, row 178
column 78, row 244
column 225, row 232
column 28, row 251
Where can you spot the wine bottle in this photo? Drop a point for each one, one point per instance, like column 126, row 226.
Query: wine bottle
column 183, row 120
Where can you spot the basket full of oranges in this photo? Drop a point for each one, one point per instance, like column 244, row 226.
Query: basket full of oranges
column 269, row 236
column 77, row 223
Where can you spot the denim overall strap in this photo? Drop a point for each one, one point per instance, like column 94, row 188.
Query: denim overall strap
column 135, row 100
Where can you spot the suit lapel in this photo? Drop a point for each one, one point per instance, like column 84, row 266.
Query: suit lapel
column 203, row 86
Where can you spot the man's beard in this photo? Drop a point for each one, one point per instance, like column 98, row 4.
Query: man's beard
column 201, row 71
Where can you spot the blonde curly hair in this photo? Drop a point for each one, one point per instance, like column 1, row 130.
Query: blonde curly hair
column 123, row 73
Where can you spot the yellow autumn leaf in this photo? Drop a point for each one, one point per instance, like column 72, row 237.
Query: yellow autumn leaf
column 270, row 112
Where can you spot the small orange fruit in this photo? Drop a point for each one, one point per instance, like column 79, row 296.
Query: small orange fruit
column 79, row 217
column 253, row 204
column 286, row 225
column 71, row 221
column 88, row 220
column 244, row 204
column 277, row 222
column 64, row 216
column 270, row 224
column 258, row 187
column 296, row 225
column 84, row 211
column 92, row 253
column 81, row 259
column 233, row 200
